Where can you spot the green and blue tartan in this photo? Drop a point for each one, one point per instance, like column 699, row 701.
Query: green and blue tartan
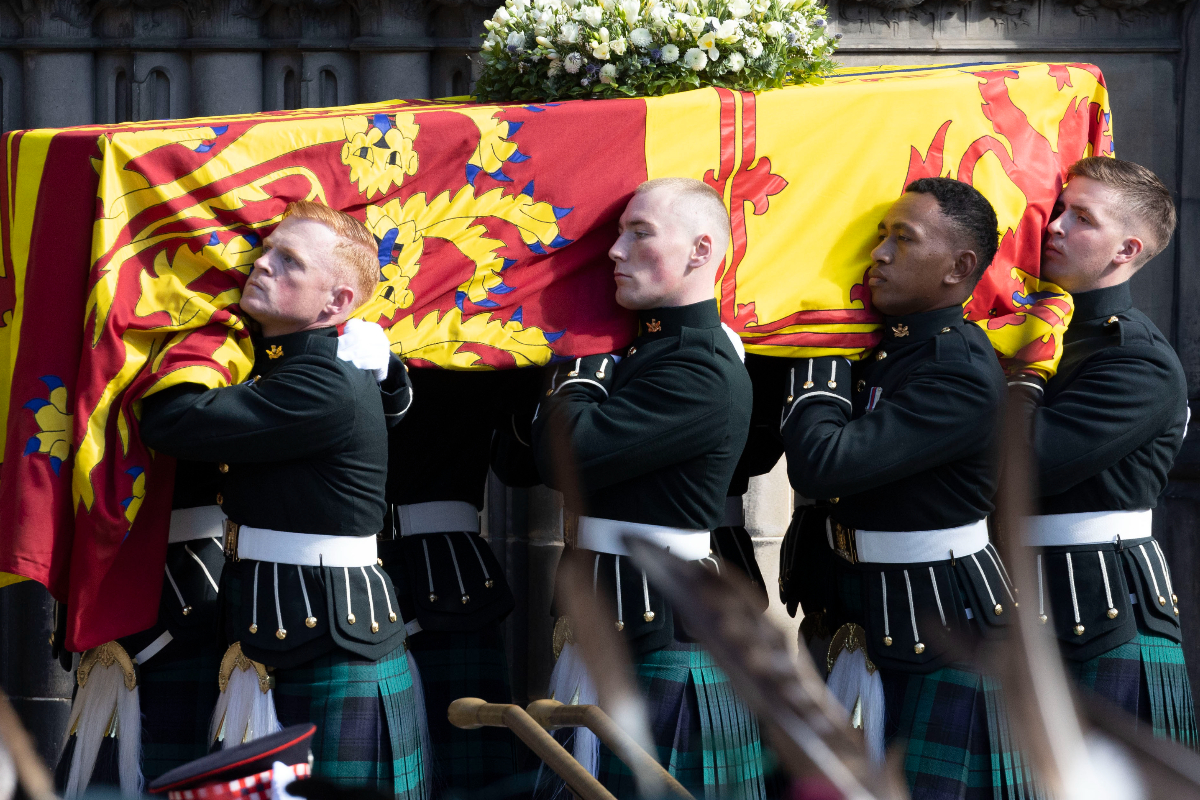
column 705, row 735
column 365, row 712
column 465, row 664
column 953, row 725
column 1148, row 678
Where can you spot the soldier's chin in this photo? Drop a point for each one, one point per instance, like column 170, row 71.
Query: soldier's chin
column 629, row 298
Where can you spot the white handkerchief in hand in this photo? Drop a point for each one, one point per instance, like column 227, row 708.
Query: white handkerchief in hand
column 366, row 346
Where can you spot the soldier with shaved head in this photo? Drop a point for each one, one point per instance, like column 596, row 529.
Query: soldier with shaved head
column 645, row 443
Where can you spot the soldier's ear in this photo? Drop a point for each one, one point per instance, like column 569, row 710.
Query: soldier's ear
column 1131, row 248
column 342, row 300
column 703, row 250
column 964, row 267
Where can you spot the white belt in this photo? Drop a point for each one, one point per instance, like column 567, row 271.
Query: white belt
column 906, row 547
column 202, row 522
column 306, row 549
column 1087, row 527
column 439, row 516
column 735, row 514
column 604, row 536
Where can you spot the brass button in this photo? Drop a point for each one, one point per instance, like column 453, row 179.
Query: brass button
column 834, row 500
column 1042, row 618
column 632, row 350
column 374, row 627
column 310, row 622
column 861, row 385
column 433, row 598
column 832, row 384
column 222, row 468
column 1079, row 630
column 808, row 385
column 1176, row 610
column 466, row 598
column 281, row 634
column 945, row 330
column 887, row 641
column 187, row 610
column 620, row 626
column 351, row 618
column 999, row 609
column 648, row 616
column 391, row 616
column 489, row 583
column 1174, row 598
column 220, row 498
column 549, row 392
column 918, row 648
column 1112, row 613
column 1162, row 601
column 378, row 561
column 881, row 355
column 254, row 627
column 1111, row 320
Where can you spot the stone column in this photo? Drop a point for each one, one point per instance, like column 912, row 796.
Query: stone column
column 457, row 27
column 58, row 81
column 329, row 71
column 224, row 81
column 393, row 49
column 160, row 76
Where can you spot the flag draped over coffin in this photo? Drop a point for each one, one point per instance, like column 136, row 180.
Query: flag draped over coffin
column 125, row 249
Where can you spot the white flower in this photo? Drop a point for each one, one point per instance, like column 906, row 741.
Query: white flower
column 708, row 41
column 696, row 25
column 670, row 54
column 592, row 15
column 641, row 38
column 713, row 54
column 501, row 16
column 631, row 9
column 516, row 39
column 554, row 68
column 607, row 73
column 600, row 50
column 659, row 16
column 728, row 31
column 695, row 59
column 740, row 8
column 573, row 62
column 569, row 33
column 735, row 62
column 774, row 29
column 753, row 48
column 618, row 46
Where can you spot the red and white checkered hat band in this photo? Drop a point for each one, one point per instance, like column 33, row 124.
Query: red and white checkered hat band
column 252, row 787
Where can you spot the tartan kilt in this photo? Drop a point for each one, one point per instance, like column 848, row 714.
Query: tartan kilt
column 465, row 664
column 705, row 735
column 177, row 691
column 954, row 727
column 1148, row 678
column 365, row 712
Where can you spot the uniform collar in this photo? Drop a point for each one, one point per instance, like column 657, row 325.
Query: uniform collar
column 269, row 351
column 915, row 327
column 1102, row 303
column 657, row 322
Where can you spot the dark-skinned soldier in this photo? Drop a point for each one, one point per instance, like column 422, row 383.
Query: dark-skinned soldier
column 1106, row 429
column 312, row 620
column 902, row 448
column 648, row 445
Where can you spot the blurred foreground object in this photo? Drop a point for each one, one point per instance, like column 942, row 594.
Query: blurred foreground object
column 20, row 768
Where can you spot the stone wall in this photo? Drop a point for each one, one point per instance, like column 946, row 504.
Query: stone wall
column 70, row 62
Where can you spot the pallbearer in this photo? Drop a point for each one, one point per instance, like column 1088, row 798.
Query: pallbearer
column 650, row 442
column 903, row 447
column 155, row 690
column 1106, row 430
column 303, row 455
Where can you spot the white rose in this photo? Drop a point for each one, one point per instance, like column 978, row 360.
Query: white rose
column 501, row 16
column 696, row 25
column 707, row 42
column 516, row 39
column 740, row 8
column 618, row 46
column 659, row 16
column 641, row 38
column 607, row 73
column 631, row 9
column 573, row 62
column 592, row 15
column 735, row 62
column 600, row 50
column 670, row 54
column 774, row 29
column 728, row 31
column 753, row 48
column 569, row 33
column 695, row 59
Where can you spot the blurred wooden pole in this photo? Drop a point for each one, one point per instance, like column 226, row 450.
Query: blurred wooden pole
column 471, row 712
column 32, row 776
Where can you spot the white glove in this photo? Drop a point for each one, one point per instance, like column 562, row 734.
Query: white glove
column 366, row 346
column 734, row 338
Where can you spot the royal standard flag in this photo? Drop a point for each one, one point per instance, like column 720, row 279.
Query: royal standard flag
column 125, row 249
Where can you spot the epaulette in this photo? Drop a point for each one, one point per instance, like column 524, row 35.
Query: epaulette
column 1129, row 330
column 951, row 345
column 698, row 337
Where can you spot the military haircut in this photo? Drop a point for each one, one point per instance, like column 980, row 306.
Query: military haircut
column 1140, row 193
column 702, row 203
column 356, row 251
column 969, row 212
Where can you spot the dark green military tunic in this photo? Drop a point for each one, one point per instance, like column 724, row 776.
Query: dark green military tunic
column 655, row 438
column 306, row 449
column 1106, row 430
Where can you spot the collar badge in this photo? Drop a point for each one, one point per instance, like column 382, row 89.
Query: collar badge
column 653, row 326
column 900, row 331
column 274, row 351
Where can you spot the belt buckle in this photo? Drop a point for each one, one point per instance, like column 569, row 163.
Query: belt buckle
column 843, row 542
column 231, row 540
